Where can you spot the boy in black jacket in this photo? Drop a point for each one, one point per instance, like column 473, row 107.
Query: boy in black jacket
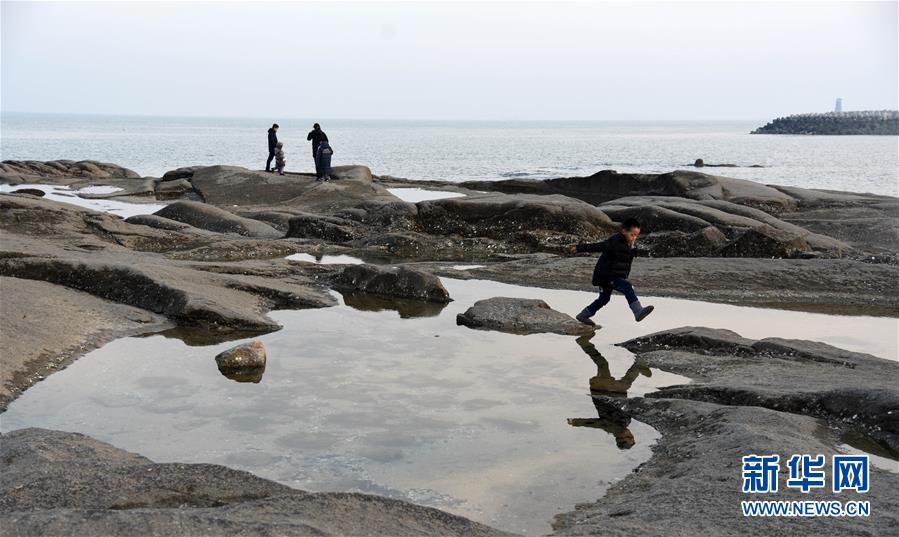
column 612, row 270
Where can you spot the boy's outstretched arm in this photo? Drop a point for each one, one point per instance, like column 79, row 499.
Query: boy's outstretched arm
column 588, row 247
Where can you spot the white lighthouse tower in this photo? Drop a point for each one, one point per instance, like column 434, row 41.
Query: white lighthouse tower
column 839, row 106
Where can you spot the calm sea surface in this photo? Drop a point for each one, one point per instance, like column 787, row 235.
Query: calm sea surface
column 463, row 150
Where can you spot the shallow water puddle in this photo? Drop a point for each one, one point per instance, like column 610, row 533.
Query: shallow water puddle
column 67, row 195
column 413, row 195
column 393, row 398
column 326, row 259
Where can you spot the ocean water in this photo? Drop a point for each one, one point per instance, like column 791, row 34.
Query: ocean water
column 463, row 150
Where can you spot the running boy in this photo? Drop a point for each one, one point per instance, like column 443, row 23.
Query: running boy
column 612, row 270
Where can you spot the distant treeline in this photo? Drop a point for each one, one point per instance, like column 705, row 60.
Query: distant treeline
column 866, row 122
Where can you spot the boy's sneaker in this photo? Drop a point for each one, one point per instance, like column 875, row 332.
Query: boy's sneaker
column 643, row 313
column 584, row 317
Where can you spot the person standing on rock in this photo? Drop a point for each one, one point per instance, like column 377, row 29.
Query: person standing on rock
column 317, row 136
column 323, row 161
column 272, row 142
column 612, row 270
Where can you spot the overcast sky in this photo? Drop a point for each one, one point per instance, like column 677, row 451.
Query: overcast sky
column 649, row 61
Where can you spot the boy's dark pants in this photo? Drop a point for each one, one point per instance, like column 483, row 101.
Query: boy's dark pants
column 268, row 163
column 617, row 284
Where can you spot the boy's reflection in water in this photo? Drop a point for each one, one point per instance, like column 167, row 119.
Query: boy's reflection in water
column 603, row 388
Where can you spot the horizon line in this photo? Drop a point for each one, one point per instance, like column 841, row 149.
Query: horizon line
column 311, row 118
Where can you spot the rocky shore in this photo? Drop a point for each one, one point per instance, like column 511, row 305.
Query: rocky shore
column 213, row 260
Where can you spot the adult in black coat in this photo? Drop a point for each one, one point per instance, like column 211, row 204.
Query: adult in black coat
column 272, row 142
column 612, row 270
column 317, row 136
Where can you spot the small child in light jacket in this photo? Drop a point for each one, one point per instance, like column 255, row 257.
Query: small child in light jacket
column 280, row 161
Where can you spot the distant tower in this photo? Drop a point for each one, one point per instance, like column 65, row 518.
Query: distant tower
column 839, row 106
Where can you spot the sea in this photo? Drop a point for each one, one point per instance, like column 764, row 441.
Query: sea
column 464, row 150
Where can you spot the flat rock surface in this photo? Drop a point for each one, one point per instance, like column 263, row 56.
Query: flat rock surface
column 57, row 483
column 520, row 316
column 44, row 326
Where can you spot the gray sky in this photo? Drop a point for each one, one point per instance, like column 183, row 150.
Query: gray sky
column 651, row 61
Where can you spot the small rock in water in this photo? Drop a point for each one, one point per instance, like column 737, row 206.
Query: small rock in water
column 243, row 363
column 521, row 316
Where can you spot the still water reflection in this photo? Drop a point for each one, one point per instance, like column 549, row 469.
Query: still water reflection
column 398, row 400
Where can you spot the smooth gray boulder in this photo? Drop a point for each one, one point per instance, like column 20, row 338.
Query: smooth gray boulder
column 501, row 216
column 212, row 218
column 520, row 316
column 389, row 281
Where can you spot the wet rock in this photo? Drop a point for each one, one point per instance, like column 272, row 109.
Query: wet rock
column 321, row 227
column 173, row 189
column 498, row 216
column 243, row 363
column 520, row 316
column 406, row 308
column 390, row 281
column 692, row 338
column 655, row 218
column 396, row 215
column 765, row 241
column 181, row 173
column 706, row 242
column 29, row 191
column 57, row 483
column 212, row 218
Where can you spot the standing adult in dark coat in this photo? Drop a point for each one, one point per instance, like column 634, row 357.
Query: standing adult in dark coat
column 316, row 136
column 272, row 142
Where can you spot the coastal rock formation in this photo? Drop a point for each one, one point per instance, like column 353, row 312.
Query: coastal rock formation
column 499, row 216
column 55, row 483
column 608, row 185
column 746, row 396
column 801, row 377
column 520, row 316
column 399, row 282
column 881, row 122
column 229, row 186
column 19, row 169
column 212, row 218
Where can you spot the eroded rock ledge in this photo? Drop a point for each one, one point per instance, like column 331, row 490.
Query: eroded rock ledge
column 747, row 397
